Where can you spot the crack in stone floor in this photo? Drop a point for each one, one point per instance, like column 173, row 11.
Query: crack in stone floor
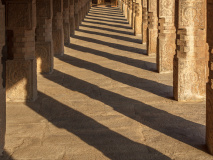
column 105, row 100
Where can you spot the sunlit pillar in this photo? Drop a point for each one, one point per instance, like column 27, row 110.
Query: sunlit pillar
column 190, row 59
column 144, row 21
column 138, row 18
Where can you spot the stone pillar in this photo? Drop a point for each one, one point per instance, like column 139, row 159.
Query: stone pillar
column 144, row 21
column 125, row 8
column 58, row 31
column 72, row 18
column 129, row 15
column 209, row 87
column 167, row 36
column 44, row 43
column 2, row 79
column 152, row 32
column 76, row 14
column 138, row 19
column 190, row 59
column 79, row 11
column 21, row 78
column 66, row 21
column 133, row 15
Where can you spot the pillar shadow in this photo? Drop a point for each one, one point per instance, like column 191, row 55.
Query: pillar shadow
column 107, row 24
column 107, row 29
column 130, row 80
column 111, row 144
column 104, row 20
column 112, row 45
column 149, row 66
column 123, row 19
column 186, row 131
column 113, row 15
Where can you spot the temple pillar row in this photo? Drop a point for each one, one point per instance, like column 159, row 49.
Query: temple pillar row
column 2, row 79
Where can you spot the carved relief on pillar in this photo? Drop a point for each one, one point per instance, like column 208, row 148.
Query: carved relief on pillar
column 66, row 21
column 2, row 79
column 144, row 21
column 138, row 19
column 167, row 36
column 58, row 31
column 190, row 58
column 152, row 32
column 72, row 18
column 44, row 43
column 21, row 68
column 209, row 87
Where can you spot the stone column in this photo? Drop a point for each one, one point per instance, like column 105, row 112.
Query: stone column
column 144, row 21
column 167, row 36
column 76, row 14
column 209, row 87
column 79, row 11
column 2, row 79
column 133, row 15
column 44, row 43
column 72, row 18
column 129, row 16
column 21, row 78
column 152, row 32
column 125, row 8
column 190, row 58
column 138, row 19
column 58, row 31
column 66, row 21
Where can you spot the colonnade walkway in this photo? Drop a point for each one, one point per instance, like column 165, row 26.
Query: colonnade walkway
column 105, row 100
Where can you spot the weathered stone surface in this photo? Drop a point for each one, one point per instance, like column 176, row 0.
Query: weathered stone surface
column 44, row 42
column 129, row 10
column 58, row 31
column 76, row 14
column 190, row 58
column 66, row 21
column 133, row 15
column 138, row 18
column 144, row 21
column 21, row 68
column 166, row 37
column 2, row 79
column 152, row 32
column 209, row 89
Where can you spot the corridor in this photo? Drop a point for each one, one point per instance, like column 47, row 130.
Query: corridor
column 105, row 100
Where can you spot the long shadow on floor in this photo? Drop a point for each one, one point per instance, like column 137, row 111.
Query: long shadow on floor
column 112, row 45
column 110, row 143
column 108, row 17
column 130, row 80
column 149, row 66
column 171, row 125
column 104, row 20
column 107, row 29
column 112, row 36
column 108, row 24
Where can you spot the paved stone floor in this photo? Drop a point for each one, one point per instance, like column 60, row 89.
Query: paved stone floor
column 105, row 100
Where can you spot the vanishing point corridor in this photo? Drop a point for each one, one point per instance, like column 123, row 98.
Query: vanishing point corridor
column 105, row 100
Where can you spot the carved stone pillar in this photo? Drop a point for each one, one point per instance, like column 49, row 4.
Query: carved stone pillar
column 209, row 89
column 58, row 31
column 76, row 14
column 125, row 8
column 66, row 21
column 138, row 19
column 2, row 79
column 129, row 15
column 144, row 21
column 21, row 64
column 72, row 18
column 44, row 43
column 152, row 32
column 190, row 59
column 79, row 11
column 167, row 36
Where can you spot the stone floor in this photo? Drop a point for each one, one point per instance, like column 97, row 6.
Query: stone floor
column 105, row 100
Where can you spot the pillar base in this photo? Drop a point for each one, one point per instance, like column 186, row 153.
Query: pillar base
column 21, row 80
